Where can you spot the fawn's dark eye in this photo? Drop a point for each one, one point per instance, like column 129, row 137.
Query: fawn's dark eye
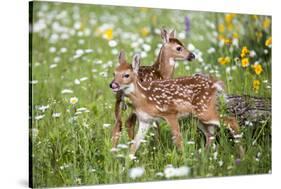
column 179, row 49
column 126, row 75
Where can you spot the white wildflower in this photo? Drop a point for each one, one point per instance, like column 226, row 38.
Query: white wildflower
column 83, row 79
column 190, row 142
column 227, row 69
column 170, row 171
column 190, row 47
column 52, row 49
column 252, row 53
column 81, row 41
column 34, row 132
column 106, row 125
column 38, row 117
column 237, row 136
column 43, row 108
column 56, row 114
column 120, row 156
column 77, row 81
column 79, row 52
column 132, row 157
column 57, row 59
column 248, row 123
column 181, row 35
column 146, row 47
column 33, row 82
column 143, row 54
column 53, row 66
column 84, row 124
column 77, row 113
column 114, row 149
column 211, row 50
column 112, row 43
column 122, row 146
column 73, row 100
column 89, row 50
column 82, row 109
column 159, row 174
column 114, row 51
column 66, row 91
column 215, row 155
column 63, row 50
column 136, row 172
column 235, row 42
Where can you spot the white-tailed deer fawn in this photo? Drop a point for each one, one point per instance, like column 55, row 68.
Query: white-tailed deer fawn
column 163, row 68
column 168, row 99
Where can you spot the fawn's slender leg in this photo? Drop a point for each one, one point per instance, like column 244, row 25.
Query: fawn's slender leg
column 209, row 130
column 118, row 122
column 209, row 120
column 130, row 124
column 232, row 124
column 177, row 138
column 143, row 128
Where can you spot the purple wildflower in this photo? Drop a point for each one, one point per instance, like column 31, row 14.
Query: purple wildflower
column 187, row 24
column 238, row 161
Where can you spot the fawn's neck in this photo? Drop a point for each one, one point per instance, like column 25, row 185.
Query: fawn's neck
column 137, row 94
column 165, row 64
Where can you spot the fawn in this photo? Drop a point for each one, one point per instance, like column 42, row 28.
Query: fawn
column 169, row 99
column 163, row 68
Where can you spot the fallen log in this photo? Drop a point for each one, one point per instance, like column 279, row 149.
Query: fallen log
column 249, row 108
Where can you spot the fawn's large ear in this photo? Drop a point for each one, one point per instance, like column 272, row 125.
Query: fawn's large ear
column 136, row 63
column 165, row 35
column 173, row 34
column 121, row 57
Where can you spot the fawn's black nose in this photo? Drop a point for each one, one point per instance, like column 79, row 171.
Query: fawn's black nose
column 190, row 56
column 113, row 85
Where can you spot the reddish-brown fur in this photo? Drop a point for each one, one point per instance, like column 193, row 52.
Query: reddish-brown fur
column 161, row 69
column 169, row 99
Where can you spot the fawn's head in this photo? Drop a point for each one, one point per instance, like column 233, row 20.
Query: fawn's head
column 174, row 48
column 125, row 74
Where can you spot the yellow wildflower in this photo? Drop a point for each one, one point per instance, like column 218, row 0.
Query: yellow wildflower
column 221, row 28
column 259, row 35
column 154, row 20
column 258, row 69
column 230, row 27
column 235, row 35
column 144, row 31
column 224, row 60
column 227, row 41
column 244, row 52
column 255, row 17
column 108, row 34
column 143, row 9
column 228, row 18
column 245, row 62
column 268, row 42
column 256, row 85
column 266, row 23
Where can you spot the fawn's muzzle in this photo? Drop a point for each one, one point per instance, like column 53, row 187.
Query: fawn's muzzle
column 114, row 86
column 190, row 56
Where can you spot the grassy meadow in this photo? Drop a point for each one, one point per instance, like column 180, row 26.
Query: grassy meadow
column 73, row 53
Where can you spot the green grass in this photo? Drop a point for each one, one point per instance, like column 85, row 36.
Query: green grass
column 74, row 148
